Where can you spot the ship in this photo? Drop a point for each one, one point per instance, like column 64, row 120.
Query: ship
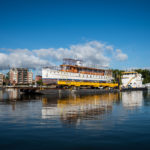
column 74, row 70
column 131, row 79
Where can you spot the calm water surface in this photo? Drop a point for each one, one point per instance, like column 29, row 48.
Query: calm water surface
column 106, row 121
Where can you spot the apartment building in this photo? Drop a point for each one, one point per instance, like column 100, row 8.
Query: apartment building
column 20, row 76
column 1, row 79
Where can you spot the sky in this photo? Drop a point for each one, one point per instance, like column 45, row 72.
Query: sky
column 110, row 33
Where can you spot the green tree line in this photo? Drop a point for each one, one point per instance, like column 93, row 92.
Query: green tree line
column 145, row 75
column 117, row 75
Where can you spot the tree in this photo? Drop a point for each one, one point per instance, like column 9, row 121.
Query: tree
column 117, row 75
column 145, row 75
column 39, row 82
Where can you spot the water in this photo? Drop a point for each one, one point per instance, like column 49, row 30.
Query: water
column 106, row 121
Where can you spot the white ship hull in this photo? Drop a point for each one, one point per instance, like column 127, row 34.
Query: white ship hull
column 52, row 76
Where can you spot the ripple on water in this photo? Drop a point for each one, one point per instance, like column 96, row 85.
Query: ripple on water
column 106, row 121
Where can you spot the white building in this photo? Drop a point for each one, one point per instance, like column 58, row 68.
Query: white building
column 30, row 77
column 20, row 76
column 13, row 76
column 132, row 79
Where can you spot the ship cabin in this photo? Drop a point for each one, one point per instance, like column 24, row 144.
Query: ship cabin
column 74, row 66
column 129, row 74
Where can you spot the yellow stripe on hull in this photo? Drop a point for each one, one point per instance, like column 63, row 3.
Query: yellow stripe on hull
column 94, row 84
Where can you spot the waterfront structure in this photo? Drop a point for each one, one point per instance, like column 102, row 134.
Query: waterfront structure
column 1, row 79
column 20, row 76
column 131, row 79
column 73, row 70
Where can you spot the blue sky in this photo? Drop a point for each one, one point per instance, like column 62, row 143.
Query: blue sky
column 44, row 24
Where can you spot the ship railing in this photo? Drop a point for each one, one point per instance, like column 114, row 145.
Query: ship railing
column 94, row 66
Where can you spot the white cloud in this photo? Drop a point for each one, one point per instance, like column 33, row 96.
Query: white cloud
column 120, row 56
column 92, row 52
column 109, row 47
column 20, row 58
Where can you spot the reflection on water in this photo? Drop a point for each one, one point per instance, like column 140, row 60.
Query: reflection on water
column 75, row 108
column 103, row 121
column 16, row 95
column 132, row 99
column 78, row 106
column 148, row 92
column 9, row 94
